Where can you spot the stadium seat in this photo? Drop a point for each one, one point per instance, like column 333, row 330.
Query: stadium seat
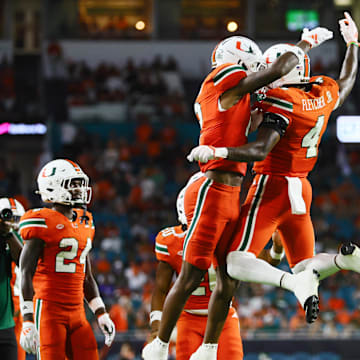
column 326, row 356
column 251, row 356
column 280, row 356
column 301, row 356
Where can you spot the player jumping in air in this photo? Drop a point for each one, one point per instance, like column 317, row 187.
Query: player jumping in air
column 295, row 113
column 192, row 321
column 212, row 202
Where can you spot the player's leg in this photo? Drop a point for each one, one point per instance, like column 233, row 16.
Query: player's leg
column 297, row 233
column 300, row 254
column 51, row 322
column 258, row 220
column 230, row 343
column 348, row 257
column 224, row 290
column 266, row 203
column 189, row 279
column 82, row 340
column 205, row 206
column 190, row 332
column 219, row 304
column 199, row 246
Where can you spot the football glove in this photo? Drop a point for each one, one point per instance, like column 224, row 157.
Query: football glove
column 204, row 153
column 348, row 29
column 107, row 327
column 29, row 337
column 316, row 36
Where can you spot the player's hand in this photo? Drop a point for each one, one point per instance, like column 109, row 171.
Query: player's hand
column 202, row 153
column 29, row 337
column 316, row 36
column 348, row 29
column 107, row 327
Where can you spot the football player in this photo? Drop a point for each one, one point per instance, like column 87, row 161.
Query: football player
column 192, row 321
column 295, row 114
column 55, row 265
column 212, row 202
column 10, row 247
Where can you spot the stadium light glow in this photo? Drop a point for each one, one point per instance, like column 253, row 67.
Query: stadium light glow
column 140, row 25
column 348, row 129
column 22, row 129
column 232, row 26
column 343, row 2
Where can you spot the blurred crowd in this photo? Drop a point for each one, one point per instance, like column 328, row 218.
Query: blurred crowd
column 136, row 179
column 135, row 184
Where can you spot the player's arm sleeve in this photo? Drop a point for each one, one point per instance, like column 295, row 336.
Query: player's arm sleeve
column 228, row 77
column 162, row 252
column 32, row 225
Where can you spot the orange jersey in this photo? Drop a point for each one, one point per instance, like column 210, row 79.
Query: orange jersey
column 221, row 127
column 169, row 248
column 308, row 113
column 60, row 270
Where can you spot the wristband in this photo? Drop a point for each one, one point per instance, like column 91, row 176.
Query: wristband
column 352, row 42
column 221, row 153
column 26, row 307
column 276, row 256
column 96, row 303
column 155, row 316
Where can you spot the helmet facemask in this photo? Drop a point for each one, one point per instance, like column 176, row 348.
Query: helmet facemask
column 78, row 190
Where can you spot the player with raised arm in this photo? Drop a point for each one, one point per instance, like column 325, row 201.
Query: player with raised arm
column 192, row 321
column 55, row 265
column 212, row 202
column 295, row 114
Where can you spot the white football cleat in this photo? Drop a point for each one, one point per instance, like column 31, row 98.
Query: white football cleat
column 306, row 291
column 348, row 257
column 205, row 352
column 156, row 350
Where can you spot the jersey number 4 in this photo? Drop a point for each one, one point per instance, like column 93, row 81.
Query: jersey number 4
column 72, row 246
column 311, row 139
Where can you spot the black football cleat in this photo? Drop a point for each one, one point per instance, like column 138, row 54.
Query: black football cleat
column 311, row 308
